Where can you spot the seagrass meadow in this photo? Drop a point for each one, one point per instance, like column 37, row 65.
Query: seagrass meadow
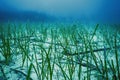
column 59, row 51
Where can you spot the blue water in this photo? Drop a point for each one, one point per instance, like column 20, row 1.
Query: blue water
column 99, row 11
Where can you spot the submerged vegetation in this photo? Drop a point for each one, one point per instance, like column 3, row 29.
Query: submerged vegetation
column 59, row 52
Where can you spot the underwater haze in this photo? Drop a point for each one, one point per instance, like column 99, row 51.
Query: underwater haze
column 102, row 11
